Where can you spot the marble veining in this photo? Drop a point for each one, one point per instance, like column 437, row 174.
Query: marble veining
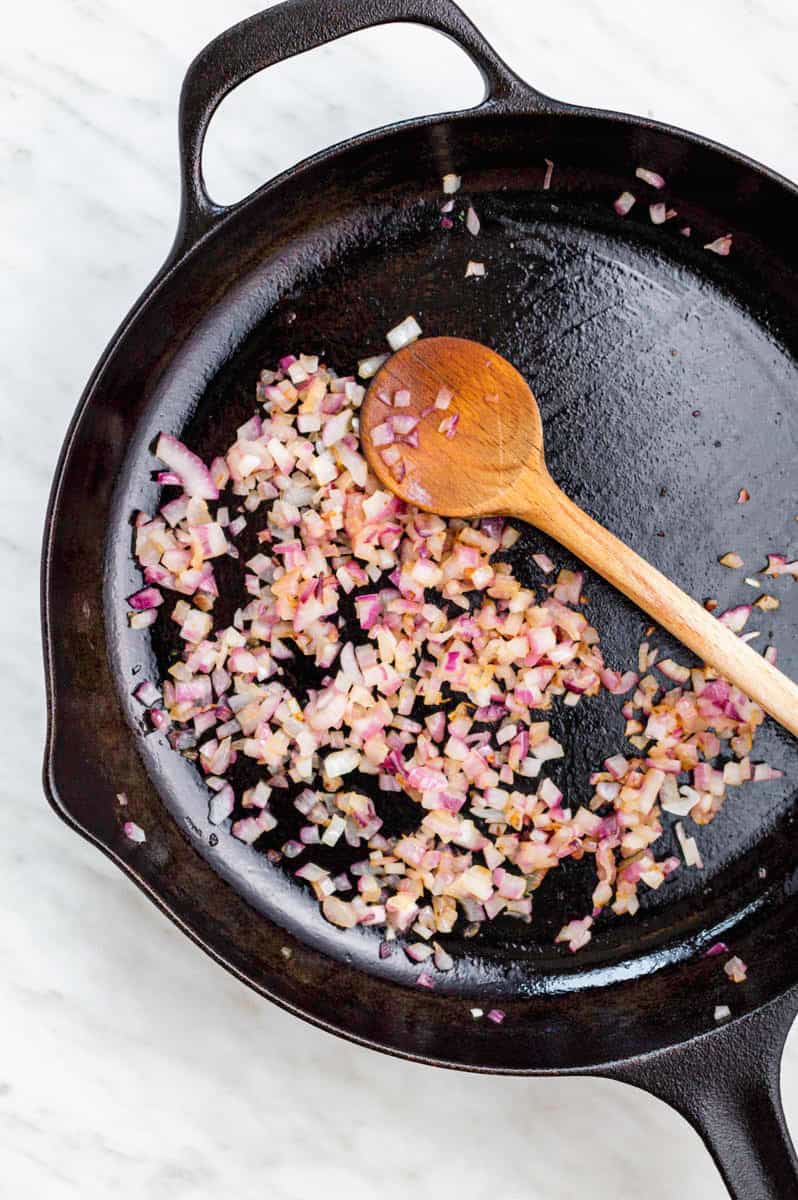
column 130, row 1064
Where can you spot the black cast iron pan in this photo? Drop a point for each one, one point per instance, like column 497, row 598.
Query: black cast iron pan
column 667, row 380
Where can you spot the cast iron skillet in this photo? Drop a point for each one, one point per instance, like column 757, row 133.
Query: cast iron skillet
column 667, row 379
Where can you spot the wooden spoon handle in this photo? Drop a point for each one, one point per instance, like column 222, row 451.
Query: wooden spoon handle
column 544, row 505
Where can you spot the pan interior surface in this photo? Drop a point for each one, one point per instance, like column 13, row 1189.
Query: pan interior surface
column 665, row 383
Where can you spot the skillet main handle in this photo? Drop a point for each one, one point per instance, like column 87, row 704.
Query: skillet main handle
column 726, row 1084
column 552, row 511
column 282, row 32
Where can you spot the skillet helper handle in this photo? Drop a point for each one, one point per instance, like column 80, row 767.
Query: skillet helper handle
column 726, row 1084
column 286, row 30
column 553, row 512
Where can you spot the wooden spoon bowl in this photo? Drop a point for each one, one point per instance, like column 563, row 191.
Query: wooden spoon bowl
column 499, row 434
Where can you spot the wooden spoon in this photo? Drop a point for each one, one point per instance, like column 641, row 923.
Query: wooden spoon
column 494, row 466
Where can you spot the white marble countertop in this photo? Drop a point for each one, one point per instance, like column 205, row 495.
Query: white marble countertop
column 131, row 1065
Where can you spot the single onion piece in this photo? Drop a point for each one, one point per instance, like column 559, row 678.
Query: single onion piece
column 147, row 693
column 134, row 832
column 763, row 773
column 474, row 269
column 188, row 467
column 367, row 368
column 404, row 333
column 341, row 763
column 383, row 435
column 339, row 912
column 731, row 559
column 444, row 397
column 451, row 184
column 221, row 805
column 442, row 960
column 624, row 203
column 778, row 565
column 143, row 620
column 496, row 1015
column 403, row 423
column 148, row 597
column 548, row 174
column 650, row 177
column 736, row 969
column 472, row 222
column 688, row 846
column 743, row 496
column 735, row 618
column 721, row 245
column 673, row 671
column 657, row 213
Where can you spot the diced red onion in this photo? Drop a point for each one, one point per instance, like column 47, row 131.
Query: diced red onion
column 148, row 597
column 404, row 333
column 650, row 177
column 147, row 693
column 326, row 531
column 624, row 203
column 383, row 435
column 721, row 245
column 735, row 618
column 736, row 969
column 778, row 565
column 367, row 368
column 194, row 476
